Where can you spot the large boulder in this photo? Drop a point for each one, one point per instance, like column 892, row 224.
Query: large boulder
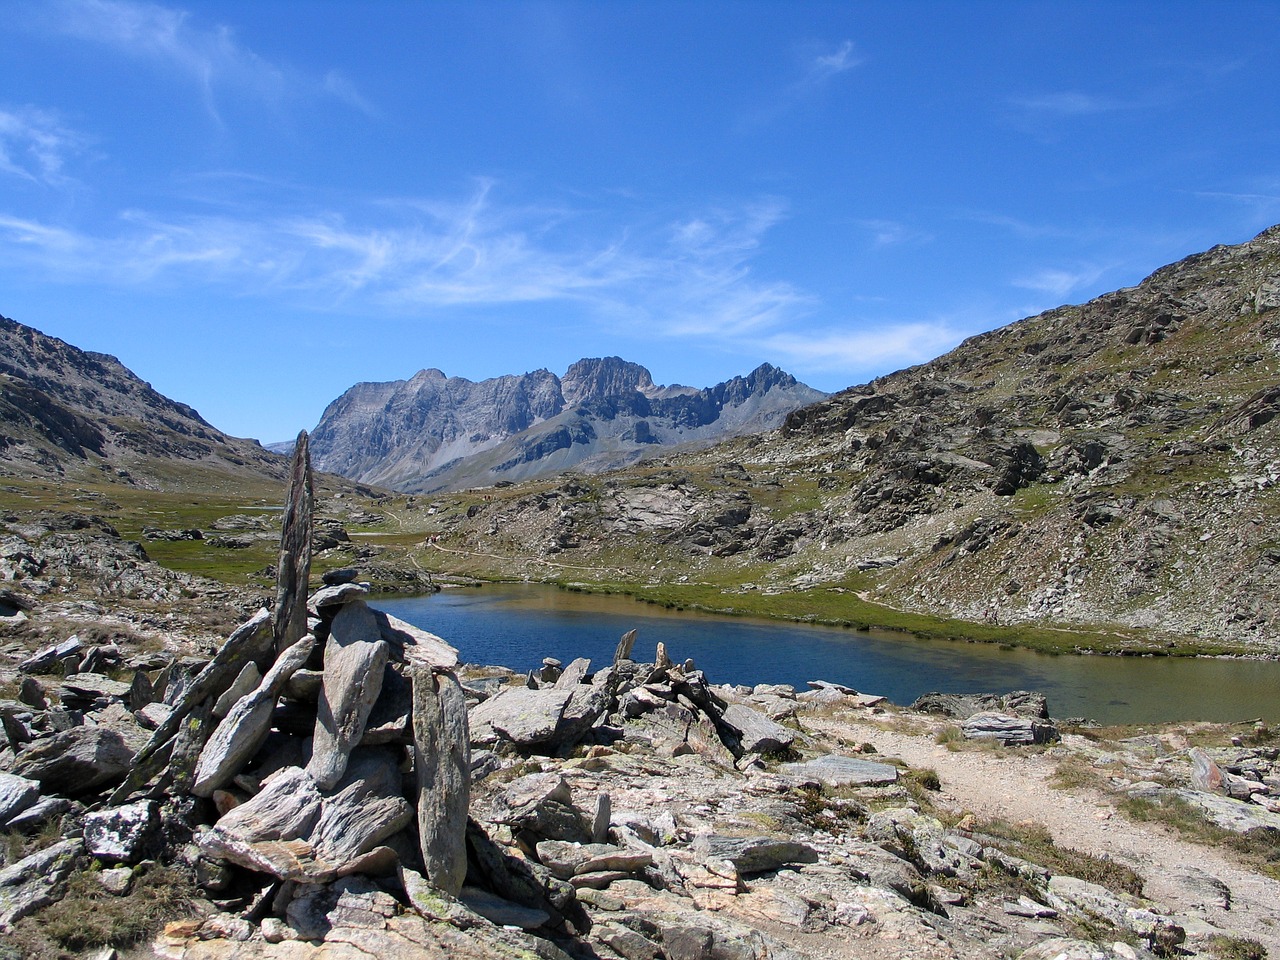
column 76, row 761
column 1009, row 729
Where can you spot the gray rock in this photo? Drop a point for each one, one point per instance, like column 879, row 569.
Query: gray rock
column 365, row 809
column 389, row 720
column 835, row 770
column 243, row 731
column 502, row 912
column 36, row 881
column 354, row 658
column 245, row 683
column 625, row 644
column 525, row 717
column 293, row 567
column 335, row 595
column 16, row 795
column 76, row 761
column 251, row 641
column 962, row 706
column 756, row 732
column 286, row 808
column 1009, row 729
column 542, row 804
column 333, row 578
column 442, row 762
column 574, row 674
column 35, row 816
column 567, row 860
column 754, row 854
column 116, row 881
column 414, row 645
column 32, row 693
column 47, row 658
column 88, row 687
column 1238, row 816
column 122, row 834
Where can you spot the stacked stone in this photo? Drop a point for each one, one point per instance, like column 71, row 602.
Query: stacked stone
column 668, row 705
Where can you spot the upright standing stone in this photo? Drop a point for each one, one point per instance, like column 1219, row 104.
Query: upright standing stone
column 442, row 760
column 354, row 658
column 623, row 651
column 294, row 568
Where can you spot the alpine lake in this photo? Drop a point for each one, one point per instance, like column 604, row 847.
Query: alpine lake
column 517, row 625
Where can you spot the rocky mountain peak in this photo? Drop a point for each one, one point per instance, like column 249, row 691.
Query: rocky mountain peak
column 69, row 411
column 435, row 432
column 605, row 377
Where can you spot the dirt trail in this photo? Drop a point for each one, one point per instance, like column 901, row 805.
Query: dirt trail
column 1015, row 786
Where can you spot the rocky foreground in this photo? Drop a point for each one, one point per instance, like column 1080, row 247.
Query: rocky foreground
column 331, row 782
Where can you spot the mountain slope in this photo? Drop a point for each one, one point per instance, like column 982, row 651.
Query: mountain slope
column 1113, row 463
column 434, row 432
column 76, row 414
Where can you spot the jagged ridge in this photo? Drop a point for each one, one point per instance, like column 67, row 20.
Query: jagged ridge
column 434, row 432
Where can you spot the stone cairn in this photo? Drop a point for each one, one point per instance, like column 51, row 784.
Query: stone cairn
column 329, row 745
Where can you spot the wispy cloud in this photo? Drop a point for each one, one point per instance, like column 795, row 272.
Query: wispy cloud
column 34, row 145
column 817, row 68
column 207, row 54
column 1070, row 103
column 891, row 233
column 1060, row 282
column 859, row 351
column 691, row 277
column 824, row 66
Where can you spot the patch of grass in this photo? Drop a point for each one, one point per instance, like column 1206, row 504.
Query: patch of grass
column 1074, row 772
column 1223, row 947
column 89, row 917
column 950, row 736
column 1033, row 842
column 1258, row 848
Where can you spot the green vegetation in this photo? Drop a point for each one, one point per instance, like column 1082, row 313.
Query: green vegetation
column 1235, row 948
column 90, row 917
column 843, row 608
column 1258, row 848
column 1033, row 842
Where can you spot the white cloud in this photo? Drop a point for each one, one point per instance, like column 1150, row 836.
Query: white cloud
column 689, row 278
column 34, row 145
column 891, row 233
column 824, row 66
column 887, row 346
column 1070, row 103
column 208, row 55
column 1059, row 282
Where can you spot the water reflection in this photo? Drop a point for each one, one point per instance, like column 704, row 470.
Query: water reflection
column 518, row 625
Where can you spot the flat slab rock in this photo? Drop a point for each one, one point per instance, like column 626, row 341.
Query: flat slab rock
column 568, row 860
column 758, row 733
column 1009, row 729
column 754, row 854
column 835, row 770
column 16, row 795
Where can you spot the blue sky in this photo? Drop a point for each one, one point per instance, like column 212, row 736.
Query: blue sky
column 257, row 204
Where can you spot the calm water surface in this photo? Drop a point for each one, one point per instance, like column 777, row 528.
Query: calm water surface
column 518, row 625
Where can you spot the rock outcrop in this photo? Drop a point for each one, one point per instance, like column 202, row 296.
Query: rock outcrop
column 434, row 432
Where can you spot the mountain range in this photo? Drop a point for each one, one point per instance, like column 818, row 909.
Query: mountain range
column 69, row 413
column 1114, row 463
column 434, row 432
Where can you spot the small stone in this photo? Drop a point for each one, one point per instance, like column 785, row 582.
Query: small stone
column 116, row 881
column 122, row 833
